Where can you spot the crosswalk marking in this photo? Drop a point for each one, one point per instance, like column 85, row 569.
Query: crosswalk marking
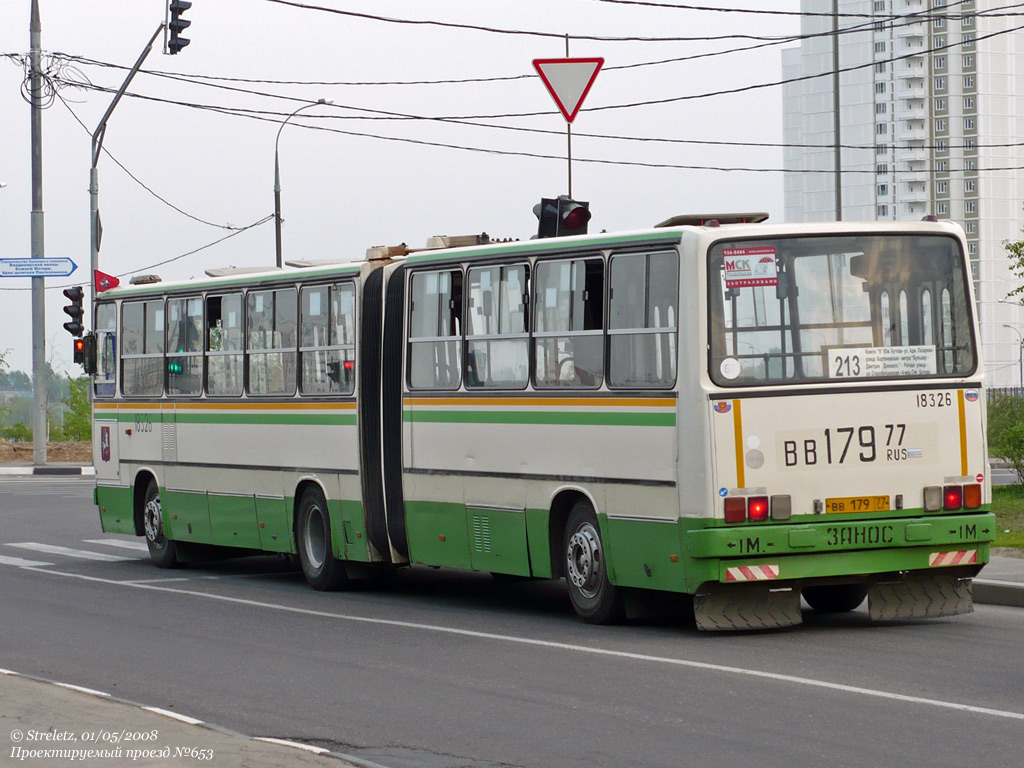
column 22, row 563
column 137, row 546
column 82, row 554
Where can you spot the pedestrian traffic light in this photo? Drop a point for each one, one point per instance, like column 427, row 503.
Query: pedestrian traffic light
column 561, row 217
column 74, row 310
column 177, row 25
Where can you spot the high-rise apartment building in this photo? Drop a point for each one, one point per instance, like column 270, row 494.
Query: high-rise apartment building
column 931, row 121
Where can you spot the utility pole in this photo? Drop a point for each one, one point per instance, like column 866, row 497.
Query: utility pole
column 38, row 283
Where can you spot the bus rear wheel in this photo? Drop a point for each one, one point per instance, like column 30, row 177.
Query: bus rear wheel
column 162, row 551
column 313, row 536
column 836, row 598
column 593, row 597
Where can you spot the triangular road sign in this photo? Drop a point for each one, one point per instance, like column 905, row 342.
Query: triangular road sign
column 568, row 81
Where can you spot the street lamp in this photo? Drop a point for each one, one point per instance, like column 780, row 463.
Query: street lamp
column 277, row 174
column 1020, row 351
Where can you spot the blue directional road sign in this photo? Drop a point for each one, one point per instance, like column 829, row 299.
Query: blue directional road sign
column 60, row 267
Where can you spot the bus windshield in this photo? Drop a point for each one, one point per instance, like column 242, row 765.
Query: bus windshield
column 808, row 309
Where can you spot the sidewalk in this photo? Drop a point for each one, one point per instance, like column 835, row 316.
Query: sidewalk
column 48, row 725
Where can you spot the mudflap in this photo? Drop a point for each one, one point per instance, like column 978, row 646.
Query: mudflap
column 920, row 597
column 719, row 608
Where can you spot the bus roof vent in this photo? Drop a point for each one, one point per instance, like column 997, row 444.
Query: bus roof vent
column 144, row 279
column 457, row 241
column 705, row 219
column 385, row 252
column 227, row 271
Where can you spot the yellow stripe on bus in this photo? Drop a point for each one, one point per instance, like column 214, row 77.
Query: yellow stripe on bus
column 621, row 402
column 737, row 425
column 963, row 431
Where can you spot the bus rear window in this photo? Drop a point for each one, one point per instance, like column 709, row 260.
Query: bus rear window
column 829, row 308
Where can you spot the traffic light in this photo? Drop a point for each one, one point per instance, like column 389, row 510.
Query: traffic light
column 74, row 310
column 177, row 25
column 85, row 352
column 561, row 217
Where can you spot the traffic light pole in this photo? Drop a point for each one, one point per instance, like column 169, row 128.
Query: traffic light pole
column 38, row 283
column 94, row 183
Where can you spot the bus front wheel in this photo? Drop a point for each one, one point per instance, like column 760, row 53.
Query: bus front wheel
column 321, row 569
column 593, row 597
column 162, row 551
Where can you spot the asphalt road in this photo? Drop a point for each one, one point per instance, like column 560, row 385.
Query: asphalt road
column 449, row 670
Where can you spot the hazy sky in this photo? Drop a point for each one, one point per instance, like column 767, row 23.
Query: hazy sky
column 344, row 189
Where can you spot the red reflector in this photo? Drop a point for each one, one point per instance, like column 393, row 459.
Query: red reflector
column 972, row 496
column 735, row 510
column 757, row 508
column 952, row 497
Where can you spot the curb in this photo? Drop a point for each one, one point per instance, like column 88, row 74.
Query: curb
column 992, row 592
column 47, row 469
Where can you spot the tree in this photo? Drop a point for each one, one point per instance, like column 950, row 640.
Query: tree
column 78, row 417
column 1015, row 251
column 1006, row 430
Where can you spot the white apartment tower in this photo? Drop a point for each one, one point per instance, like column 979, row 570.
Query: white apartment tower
column 931, row 121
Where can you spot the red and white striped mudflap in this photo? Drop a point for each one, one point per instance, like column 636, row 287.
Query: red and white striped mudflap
column 752, row 573
column 962, row 557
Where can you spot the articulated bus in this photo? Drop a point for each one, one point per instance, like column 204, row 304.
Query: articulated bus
column 744, row 413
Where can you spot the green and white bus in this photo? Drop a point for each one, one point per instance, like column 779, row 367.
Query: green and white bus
column 746, row 413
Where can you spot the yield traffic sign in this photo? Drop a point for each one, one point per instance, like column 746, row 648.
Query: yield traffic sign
column 568, row 81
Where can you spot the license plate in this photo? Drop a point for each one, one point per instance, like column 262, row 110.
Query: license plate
column 857, row 504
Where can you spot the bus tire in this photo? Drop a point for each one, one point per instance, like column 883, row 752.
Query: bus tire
column 593, row 597
column 835, row 598
column 162, row 551
column 313, row 540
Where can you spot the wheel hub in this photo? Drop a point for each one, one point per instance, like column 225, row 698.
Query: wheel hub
column 585, row 561
column 315, row 537
column 153, row 520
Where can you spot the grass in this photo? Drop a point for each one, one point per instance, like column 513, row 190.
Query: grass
column 1008, row 506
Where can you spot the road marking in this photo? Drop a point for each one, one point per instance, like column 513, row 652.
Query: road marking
column 53, row 549
column 137, row 546
column 22, row 563
column 174, row 715
column 665, row 660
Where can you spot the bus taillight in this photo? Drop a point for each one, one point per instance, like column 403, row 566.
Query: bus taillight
column 735, row 509
column 972, row 496
column 952, row 497
column 757, row 509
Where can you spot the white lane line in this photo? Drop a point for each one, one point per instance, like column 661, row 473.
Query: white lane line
column 23, row 563
column 668, row 661
column 53, row 549
column 137, row 546
column 174, row 715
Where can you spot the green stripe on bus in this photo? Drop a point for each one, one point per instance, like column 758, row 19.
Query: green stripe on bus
column 592, row 418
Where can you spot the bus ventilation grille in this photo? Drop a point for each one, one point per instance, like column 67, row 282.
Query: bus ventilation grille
column 481, row 533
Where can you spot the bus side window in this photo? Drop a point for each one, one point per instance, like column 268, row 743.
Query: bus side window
column 142, row 351
column 105, row 378
column 224, row 344
column 185, row 346
column 271, row 321
column 497, row 343
column 643, row 308
column 327, row 345
column 568, row 316
column 435, row 330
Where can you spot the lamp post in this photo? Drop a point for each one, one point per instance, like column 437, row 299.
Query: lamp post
column 277, row 174
column 1020, row 351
